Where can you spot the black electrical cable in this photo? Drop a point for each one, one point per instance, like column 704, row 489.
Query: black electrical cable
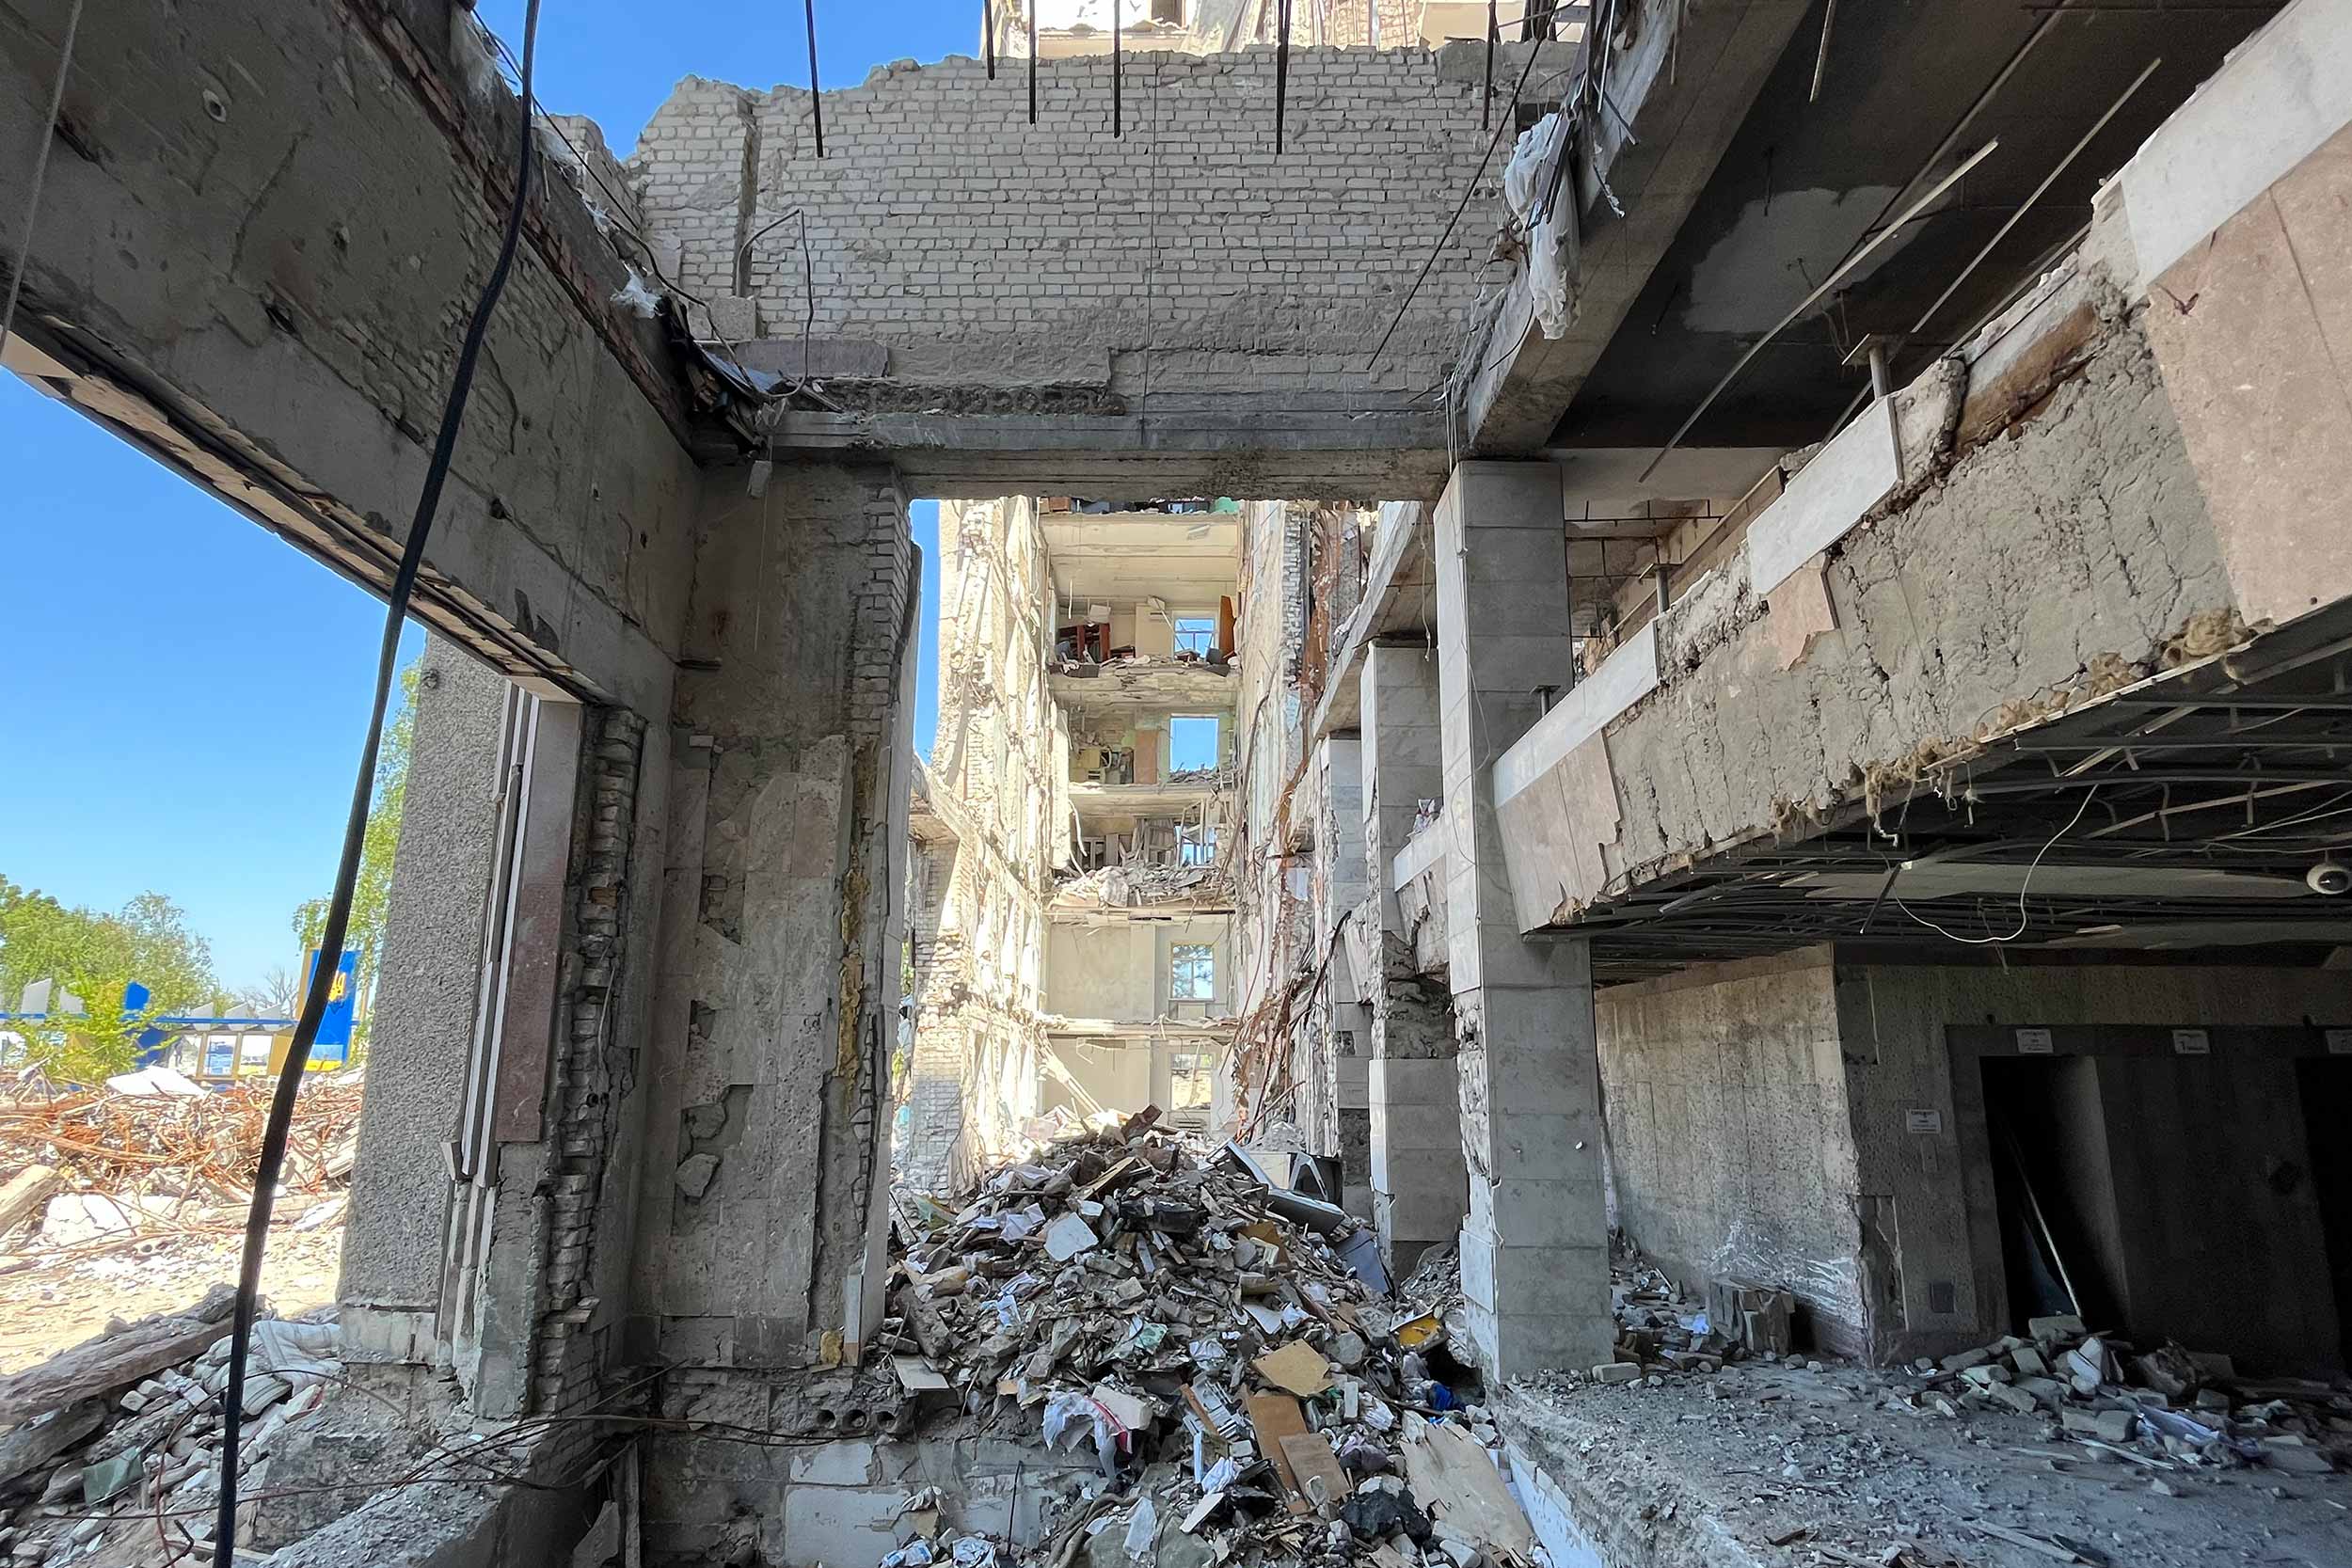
column 338, row 923
column 1117, row 127
column 1030, row 6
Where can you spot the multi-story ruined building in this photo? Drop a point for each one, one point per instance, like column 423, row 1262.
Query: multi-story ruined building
column 1072, row 911
column 1786, row 688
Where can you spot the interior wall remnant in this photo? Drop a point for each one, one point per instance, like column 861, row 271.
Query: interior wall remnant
column 765, row 1137
column 1730, row 1138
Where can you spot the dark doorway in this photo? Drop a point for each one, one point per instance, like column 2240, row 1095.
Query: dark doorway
column 2327, row 1085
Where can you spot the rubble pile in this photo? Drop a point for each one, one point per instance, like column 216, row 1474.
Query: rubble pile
column 113, row 1454
column 152, row 1150
column 1221, row 1347
column 1120, row 887
column 2167, row 1408
column 2170, row 1407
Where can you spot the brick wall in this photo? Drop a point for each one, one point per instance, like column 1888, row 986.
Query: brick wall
column 594, row 1072
column 946, row 227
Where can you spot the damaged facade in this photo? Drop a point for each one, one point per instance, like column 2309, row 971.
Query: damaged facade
column 1773, row 706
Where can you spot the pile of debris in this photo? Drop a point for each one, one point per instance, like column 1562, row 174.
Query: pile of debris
column 113, row 1454
column 153, row 1151
column 2167, row 1408
column 1122, row 887
column 1221, row 1346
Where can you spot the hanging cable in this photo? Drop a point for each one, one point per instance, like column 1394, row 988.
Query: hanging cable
column 1029, row 8
column 46, row 132
column 988, row 37
column 816, row 96
column 323, row 970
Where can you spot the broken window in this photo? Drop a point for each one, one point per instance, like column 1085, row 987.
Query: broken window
column 1191, row 743
column 1195, row 634
column 1169, row 11
column 1194, row 973
column 1195, row 844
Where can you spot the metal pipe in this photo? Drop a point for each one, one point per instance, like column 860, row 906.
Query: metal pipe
column 1820, row 61
column 816, row 97
column 1820, row 288
column 1486, row 92
column 2023, row 208
column 1281, row 69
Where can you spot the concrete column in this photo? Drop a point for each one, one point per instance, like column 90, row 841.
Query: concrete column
column 1341, row 895
column 1536, row 1245
column 1419, row 1191
column 430, row 977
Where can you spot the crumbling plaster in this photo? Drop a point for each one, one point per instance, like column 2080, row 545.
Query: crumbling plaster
column 2065, row 551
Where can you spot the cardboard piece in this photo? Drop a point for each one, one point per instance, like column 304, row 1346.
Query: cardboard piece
column 1273, row 1418
column 1297, row 1367
column 1315, row 1468
column 1459, row 1484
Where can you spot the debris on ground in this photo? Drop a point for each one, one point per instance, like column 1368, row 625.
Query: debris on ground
column 114, row 1458
column 2076, row 1436
column 1210, row 1345
column 133, row 1197
column 148, row 1146
column 2165, row 1408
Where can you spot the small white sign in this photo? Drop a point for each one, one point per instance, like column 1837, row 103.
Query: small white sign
column 2034, row 1042
column 1930, row 1121
column 2191, row 1043
column 2340, row 1042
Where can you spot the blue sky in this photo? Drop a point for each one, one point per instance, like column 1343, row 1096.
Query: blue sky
column 182, row 695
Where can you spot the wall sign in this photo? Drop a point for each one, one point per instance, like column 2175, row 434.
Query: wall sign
column 1928, row 1120
column 2191, row 1043
column 2034, row 1042
column 2339, row 1042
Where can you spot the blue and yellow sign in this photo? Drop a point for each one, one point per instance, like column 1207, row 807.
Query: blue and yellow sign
column 334, row 1038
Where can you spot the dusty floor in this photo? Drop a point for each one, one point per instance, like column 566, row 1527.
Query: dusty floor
column 56, row 1297
column 1713, row 1469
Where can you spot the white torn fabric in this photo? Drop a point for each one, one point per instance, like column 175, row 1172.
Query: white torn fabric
column 1550, row 224
column 638, row 295
column 300, row 1353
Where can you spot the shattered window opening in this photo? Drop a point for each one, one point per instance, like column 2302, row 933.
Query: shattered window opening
column 1195, row 974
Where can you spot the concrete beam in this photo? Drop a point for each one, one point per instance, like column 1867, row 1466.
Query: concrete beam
column 248, row 260
column 1238, row 446
column 1684, row 85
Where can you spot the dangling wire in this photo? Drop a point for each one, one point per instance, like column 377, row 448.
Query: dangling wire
column 1116, row 127
column 1030, row 6
column 988, row 37
column 338, row 923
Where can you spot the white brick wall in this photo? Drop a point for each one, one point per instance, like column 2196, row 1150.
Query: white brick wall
column 940, row 220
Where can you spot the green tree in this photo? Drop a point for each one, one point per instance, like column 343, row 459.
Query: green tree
column 95, row 955
column 371, row 894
